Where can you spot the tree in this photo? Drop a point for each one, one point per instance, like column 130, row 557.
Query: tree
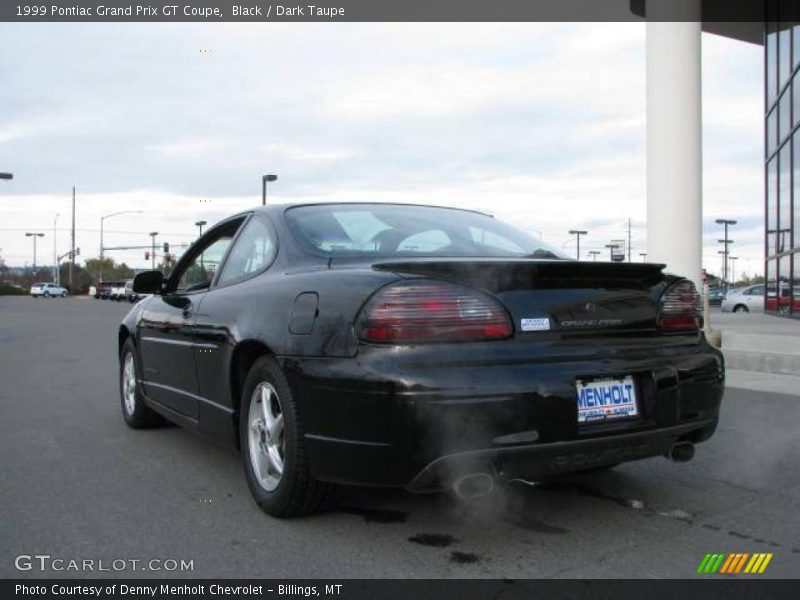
column 107, row 270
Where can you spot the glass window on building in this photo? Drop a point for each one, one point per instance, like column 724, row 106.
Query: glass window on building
column 785, row 199
column 796, row 43
column 771, row 62
column 784, row 291
column 784, row 115
column 796, row 193
column 772, row 131
column 795, row 99
column 796, row 286
column 784, row 53
column 772, row 205
column 771, row 303
column 785, row 16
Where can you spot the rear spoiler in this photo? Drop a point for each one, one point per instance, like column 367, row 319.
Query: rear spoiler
column 493, row 273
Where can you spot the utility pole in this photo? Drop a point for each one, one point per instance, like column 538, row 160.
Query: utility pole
column 264, row 180
column 733, row 260
column 629, row 239
column 72, row 245
column 725, row 223
column 34, row 236
column 153, row 235
column 578, row 233
column 56, row 274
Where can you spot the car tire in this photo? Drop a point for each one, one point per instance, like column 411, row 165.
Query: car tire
column 46, row 294
column 137, row 415
column 275, row 458
column 740, row 308
column 63, row 294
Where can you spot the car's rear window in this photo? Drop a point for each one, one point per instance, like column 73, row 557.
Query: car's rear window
column 406, row 230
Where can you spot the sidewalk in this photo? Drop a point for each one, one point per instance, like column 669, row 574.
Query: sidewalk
column 761, row 352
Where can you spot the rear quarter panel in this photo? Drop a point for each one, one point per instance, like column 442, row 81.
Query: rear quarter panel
column 260, row 310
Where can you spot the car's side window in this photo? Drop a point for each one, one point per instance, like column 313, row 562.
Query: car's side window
column 254, row 250
column 198, row 273
column 756, row 291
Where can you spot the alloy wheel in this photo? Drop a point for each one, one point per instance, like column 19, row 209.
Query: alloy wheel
column 266, row 436
column 129, row 383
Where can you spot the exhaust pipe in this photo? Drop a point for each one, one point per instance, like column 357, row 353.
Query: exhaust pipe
column 473, row 485
column 681, row 452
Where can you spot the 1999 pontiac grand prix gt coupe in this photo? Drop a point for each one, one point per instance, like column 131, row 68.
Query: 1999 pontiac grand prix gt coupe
column 414, row 346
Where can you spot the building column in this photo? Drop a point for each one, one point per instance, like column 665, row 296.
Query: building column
column 674, row 146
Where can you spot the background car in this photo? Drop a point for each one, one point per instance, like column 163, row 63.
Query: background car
column 102, row 290
column 715, row 296
column 48, row 290
column 129, row 294
column 748, row 299
column 117, row 291
column 420, row 347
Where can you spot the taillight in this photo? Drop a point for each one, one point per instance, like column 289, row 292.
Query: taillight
column 680, row 308
column 432, row 311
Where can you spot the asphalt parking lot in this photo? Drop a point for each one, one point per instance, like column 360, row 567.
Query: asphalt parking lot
column 78, row 484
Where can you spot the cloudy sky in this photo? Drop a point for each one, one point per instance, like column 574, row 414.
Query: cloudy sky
column 541, row 124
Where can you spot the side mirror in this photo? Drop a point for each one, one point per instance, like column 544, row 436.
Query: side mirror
column 148, row 282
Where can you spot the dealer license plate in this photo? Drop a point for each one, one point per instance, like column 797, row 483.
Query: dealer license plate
column 606, row 400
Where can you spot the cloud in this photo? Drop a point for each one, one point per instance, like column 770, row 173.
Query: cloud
column 544, row 124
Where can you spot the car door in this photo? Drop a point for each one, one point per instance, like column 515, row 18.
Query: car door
column 166, row 328
column 754, row 298
column 224, row 309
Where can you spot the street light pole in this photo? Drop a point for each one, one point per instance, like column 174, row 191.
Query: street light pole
column 200, row 226
column 153, row 235
column 72, row 249
column 104, row 217
column 725, row 223
column 594, row 254
column 725, row 253
column 34, row 236
column 578, row 233
column 643, row 255
column 56, row 274
column 733, row 260
column 264, row 180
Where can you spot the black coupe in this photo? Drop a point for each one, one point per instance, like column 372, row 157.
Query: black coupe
column 414, row 346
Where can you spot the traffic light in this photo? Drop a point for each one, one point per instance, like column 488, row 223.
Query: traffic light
column 146, row 255
column 166, row 248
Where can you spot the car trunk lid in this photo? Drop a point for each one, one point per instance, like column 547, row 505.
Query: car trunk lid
column 554, row 295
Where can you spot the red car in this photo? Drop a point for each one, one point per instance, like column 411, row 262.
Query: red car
column 102, row 290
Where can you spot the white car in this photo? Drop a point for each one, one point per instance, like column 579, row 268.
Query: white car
column 118, row 292
column 749, row 299
column 48, row 290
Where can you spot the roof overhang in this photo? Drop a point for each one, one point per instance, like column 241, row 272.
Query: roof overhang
column 737, row 19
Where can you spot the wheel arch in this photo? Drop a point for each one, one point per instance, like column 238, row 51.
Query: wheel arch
column 122, row 336
column 244, row 355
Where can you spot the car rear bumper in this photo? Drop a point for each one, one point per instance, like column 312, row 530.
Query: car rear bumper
column 417, row 417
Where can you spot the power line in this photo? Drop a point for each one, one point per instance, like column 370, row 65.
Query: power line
column 87, row 230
